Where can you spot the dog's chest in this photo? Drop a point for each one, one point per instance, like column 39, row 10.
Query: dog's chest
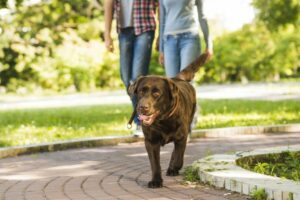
column 163, row 133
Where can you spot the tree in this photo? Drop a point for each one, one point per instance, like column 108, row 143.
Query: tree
column 55, row 46
column 91, row 4
column 4, row 3
column 278, row 13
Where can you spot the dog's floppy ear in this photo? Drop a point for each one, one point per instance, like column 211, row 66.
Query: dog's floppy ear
column 174, row 93
column 132, row 89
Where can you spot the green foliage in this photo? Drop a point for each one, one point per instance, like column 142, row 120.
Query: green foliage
column 191, row 173
column 56, row 46
column 3, row 4
column 230, row 113
column 278, row 13
column 284, row 165
column 266, row 50
column 32, row 126
column 259, row 194
column 254, row 54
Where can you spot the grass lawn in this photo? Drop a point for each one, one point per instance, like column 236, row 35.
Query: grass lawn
column 285, row 165
column 32, row 126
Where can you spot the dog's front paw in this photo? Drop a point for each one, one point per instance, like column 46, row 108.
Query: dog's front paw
column 155, row 184
column 172, row 172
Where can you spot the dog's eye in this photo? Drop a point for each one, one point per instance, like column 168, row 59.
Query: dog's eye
column 143, row 90
column 156, row 94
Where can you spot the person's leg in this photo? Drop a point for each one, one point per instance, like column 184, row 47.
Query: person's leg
column 171, row 56
column 189, row 49
column 126, row 42
column 142, row 51
column 126, row 46
column 142, row 54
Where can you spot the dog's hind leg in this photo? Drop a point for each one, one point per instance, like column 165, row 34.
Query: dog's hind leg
column 154, row 157
column 176, row 161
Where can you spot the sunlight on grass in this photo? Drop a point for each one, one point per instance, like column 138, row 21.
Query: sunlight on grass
column 226, row 113
column 22, row 127
column 32, row 126
column 285, row 165
column 224, row 120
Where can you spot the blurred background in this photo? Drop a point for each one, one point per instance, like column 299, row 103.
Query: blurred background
column 56, row 46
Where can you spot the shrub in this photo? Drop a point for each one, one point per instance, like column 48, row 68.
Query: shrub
column 254, row 54
column 191, row 173
column 284, row 165
column 259, row 194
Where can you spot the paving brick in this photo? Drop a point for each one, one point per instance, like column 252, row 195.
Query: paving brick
column 118, row 172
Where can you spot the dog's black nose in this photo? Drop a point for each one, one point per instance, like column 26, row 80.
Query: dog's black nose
column 144, row 108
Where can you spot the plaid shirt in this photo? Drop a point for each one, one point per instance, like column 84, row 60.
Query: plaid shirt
column 143, row 15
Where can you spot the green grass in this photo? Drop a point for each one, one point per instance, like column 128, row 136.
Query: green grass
column 259, row 194
column 32, row 126
column 285, row 165
column 190, row 173
column 226, row 113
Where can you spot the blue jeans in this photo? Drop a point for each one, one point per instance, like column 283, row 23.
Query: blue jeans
column 179, row 51
column 135, row 55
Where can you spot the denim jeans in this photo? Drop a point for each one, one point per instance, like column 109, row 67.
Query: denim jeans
column 179, row 51
column 135, row 54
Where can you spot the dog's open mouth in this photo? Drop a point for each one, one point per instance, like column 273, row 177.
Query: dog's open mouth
column 148, row 119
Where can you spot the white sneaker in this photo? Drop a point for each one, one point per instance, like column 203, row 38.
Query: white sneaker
column 138, row 132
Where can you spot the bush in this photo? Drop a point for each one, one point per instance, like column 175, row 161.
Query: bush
column 191, row 173
column 254, row 54
column 284, row 165
column 56, row 47
column 259, row 194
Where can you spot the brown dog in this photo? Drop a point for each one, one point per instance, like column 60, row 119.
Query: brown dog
column 166, row 108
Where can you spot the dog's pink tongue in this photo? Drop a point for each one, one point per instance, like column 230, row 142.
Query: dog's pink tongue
column 143, row 117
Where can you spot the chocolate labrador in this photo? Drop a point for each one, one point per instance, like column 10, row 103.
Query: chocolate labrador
column 165, row 107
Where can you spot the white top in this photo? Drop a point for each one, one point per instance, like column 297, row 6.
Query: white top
column 126, row 15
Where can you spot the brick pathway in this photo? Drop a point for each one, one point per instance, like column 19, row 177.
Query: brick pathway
column 117, row 172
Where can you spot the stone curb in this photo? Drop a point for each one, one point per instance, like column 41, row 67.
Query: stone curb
column 63, row 145
column 246, row 130
column 105, row 141
column 222, row 172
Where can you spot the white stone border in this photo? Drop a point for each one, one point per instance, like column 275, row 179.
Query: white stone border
column 246, row 130
column 222, row 172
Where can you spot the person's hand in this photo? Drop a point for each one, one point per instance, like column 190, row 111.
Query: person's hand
column 109, row 44
column 161, row 58
column 209, row 52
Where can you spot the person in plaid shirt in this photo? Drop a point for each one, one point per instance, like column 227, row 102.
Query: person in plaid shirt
column 135, row 26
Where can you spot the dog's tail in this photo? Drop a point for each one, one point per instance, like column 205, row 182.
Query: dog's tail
column 189, row 72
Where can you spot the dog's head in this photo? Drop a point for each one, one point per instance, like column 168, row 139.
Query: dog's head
column 156, row 98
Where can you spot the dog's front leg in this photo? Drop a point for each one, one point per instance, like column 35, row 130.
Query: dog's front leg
column 154, row 157
column 176, row 161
